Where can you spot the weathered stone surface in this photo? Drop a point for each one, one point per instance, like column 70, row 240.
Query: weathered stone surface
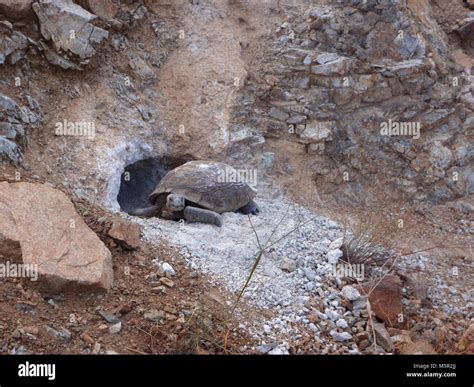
column 53, row 236
column 105, row 9
column 316, row 132
column 386, row 300
column 69, row 27
column 422, row 347
column 16, row 9
column 13, row 45
column 338, row 66
column 466, row 31
column 466, row 344
column 383, row 337
column 126, row 233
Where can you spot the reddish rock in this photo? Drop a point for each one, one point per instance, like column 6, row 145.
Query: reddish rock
column 418, row 348
column 105, row 9
column 53, row 238
column 16, row 9
column 386, row 300
column 126, row 233
column 466, row 344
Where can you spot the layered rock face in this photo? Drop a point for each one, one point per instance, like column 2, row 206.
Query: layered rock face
column 15, row 121
column 372, row 89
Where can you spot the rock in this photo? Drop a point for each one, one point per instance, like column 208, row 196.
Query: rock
column 265, row 348
column 61, row 19
column 421, row 347
column 277, row 351
column 13, row 46
column 466, row 344
column 341, row 336
column 350, row 293
column 333, row 256
column 105, row 9
column 297, row 119
column 386, row 300
column 167, row 282
column 61, row 334
column 168, row 269
column 54, row 237
column 9, row 151
column 336, row 244
column 155, row 315
column 116, row 328
column 316, row 132
column 466, row 31
column 326, row 57
column 109, row 317
column 383, row 337
column 277, row 114
column 339, row 66
column 16, row 9
column 58, row 60
column 12, row 132
column 288, row 265
column 248, row 136
column 440, row 156
column 126, row 233
column 341, row 323
column 140, row 67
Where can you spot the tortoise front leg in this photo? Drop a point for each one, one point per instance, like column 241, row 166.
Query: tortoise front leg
column 194, row 214
column 147, row 212
column 250, row 208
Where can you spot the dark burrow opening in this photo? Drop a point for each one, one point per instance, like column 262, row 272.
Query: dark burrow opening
column 139, row 180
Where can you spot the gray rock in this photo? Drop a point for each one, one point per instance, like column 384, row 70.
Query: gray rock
column 288, row 265
column 69, row 26
column 168, row 269
column 265, row 348
column 115, row 328
column 350, row 293
column 383, row 337
column 155, row 315
column 278, row 114
column 341, row 323
column 333, row 256
column 315, row 132
column 109, row 317
column 440, row 156
column 339, row 66
column 61, row 334
column 341, row 336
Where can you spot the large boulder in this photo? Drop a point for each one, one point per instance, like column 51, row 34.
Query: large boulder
column 43, row 224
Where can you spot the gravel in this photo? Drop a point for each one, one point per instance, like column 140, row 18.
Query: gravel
column 290, row 273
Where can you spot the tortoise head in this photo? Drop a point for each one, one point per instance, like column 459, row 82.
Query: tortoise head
column 175, row 203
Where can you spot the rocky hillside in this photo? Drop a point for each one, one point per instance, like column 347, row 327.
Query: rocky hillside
column 347, row 113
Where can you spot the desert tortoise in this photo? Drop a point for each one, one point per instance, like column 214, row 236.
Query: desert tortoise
column 199, row 191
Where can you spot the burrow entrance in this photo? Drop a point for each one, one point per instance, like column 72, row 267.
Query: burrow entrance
column 139, row 180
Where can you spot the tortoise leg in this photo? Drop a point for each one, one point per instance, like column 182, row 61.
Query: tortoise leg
column 250, row 208
column 194, row 214
column 147, row 212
